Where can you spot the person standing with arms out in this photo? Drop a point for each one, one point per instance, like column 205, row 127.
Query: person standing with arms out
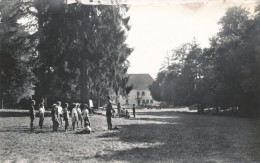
column 134, row 110
column 59, row 112
column 66, row 116
column 41, row 114
column 32, row 114
column 109, row 110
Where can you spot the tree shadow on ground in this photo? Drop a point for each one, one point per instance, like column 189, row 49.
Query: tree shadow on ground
column 165, row 113
column 161, row 120
column 183, row 139
column 26, row 129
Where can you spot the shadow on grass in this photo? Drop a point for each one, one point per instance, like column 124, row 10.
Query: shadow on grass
column 26, row 129
column 165, row 113
column 185, row 139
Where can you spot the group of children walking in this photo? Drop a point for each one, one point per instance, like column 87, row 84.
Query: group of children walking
column 78, row 115
column 60, row 114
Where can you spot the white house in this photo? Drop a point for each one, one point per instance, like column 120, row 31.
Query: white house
column 140, row 94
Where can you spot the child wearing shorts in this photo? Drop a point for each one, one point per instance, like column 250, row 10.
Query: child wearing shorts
column 66, row 115
column 41, row 114
column 85, row 115
column 54, row 117
column 74, row 116
column 79, row 115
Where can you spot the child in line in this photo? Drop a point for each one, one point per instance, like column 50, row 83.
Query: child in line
column 79, row 115
column 59, row 114
column 85, row 115
column 54, row 117
column 41, row 114
column 74, row 116
column 32, row 114
column 66, row 116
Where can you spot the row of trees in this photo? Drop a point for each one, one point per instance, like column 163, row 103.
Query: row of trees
column 225, row 75
column 54, row 50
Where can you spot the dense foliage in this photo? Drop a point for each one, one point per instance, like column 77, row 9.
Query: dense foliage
column 79, row 51
column 225, row 75
column 16, row 51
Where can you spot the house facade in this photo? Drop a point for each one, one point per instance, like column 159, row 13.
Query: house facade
column 140, row 94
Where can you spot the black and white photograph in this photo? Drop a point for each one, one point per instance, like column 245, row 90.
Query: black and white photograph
column 130, row 81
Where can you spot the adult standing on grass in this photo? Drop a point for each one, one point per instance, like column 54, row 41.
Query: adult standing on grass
column 134, row 110
column 109, row 110
column 32, row 114
column 59, row 112
column 41, row 114
column 66, row 116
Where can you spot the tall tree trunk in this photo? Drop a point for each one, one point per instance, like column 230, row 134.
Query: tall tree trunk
column 98, row 100
column 2, row 99
column 84, row 91
column 1, row 93
column 117, row 96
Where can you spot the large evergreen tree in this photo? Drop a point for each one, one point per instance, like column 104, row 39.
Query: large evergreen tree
column 16, row 51
column 90, row 53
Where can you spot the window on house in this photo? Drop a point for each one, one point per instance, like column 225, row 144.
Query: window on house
column 143, row 93
column 151, row 101
column 126, row 101
column 137, row 93
column 147, row 101
column 143, row 101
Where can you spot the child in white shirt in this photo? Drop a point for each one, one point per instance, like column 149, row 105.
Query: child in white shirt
column 41, row 115
column 74, row 116
column 79, row 115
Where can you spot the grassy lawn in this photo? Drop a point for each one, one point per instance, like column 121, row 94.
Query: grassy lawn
column 154, row 136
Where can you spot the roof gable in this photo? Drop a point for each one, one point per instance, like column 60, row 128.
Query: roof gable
column 140, row 81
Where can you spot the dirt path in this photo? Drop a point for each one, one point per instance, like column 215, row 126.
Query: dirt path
column 154, row 136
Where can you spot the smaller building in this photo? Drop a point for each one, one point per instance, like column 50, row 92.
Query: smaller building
column 140, row 94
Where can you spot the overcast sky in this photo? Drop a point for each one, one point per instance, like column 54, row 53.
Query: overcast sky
column 159, row 26
column 163, row 26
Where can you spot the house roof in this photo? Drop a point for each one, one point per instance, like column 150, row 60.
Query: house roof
column 140, row 81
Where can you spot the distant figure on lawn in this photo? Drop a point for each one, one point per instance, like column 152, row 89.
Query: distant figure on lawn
column 66, row 115
column 59, row 108
column 118, row 109
column 127, row 115
column 32, row 114
column 123, row 112
column 54, row 117
column 85, row 115
column 134, row 110
column 109, row 111
column 74, row 116
column 41, row 114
